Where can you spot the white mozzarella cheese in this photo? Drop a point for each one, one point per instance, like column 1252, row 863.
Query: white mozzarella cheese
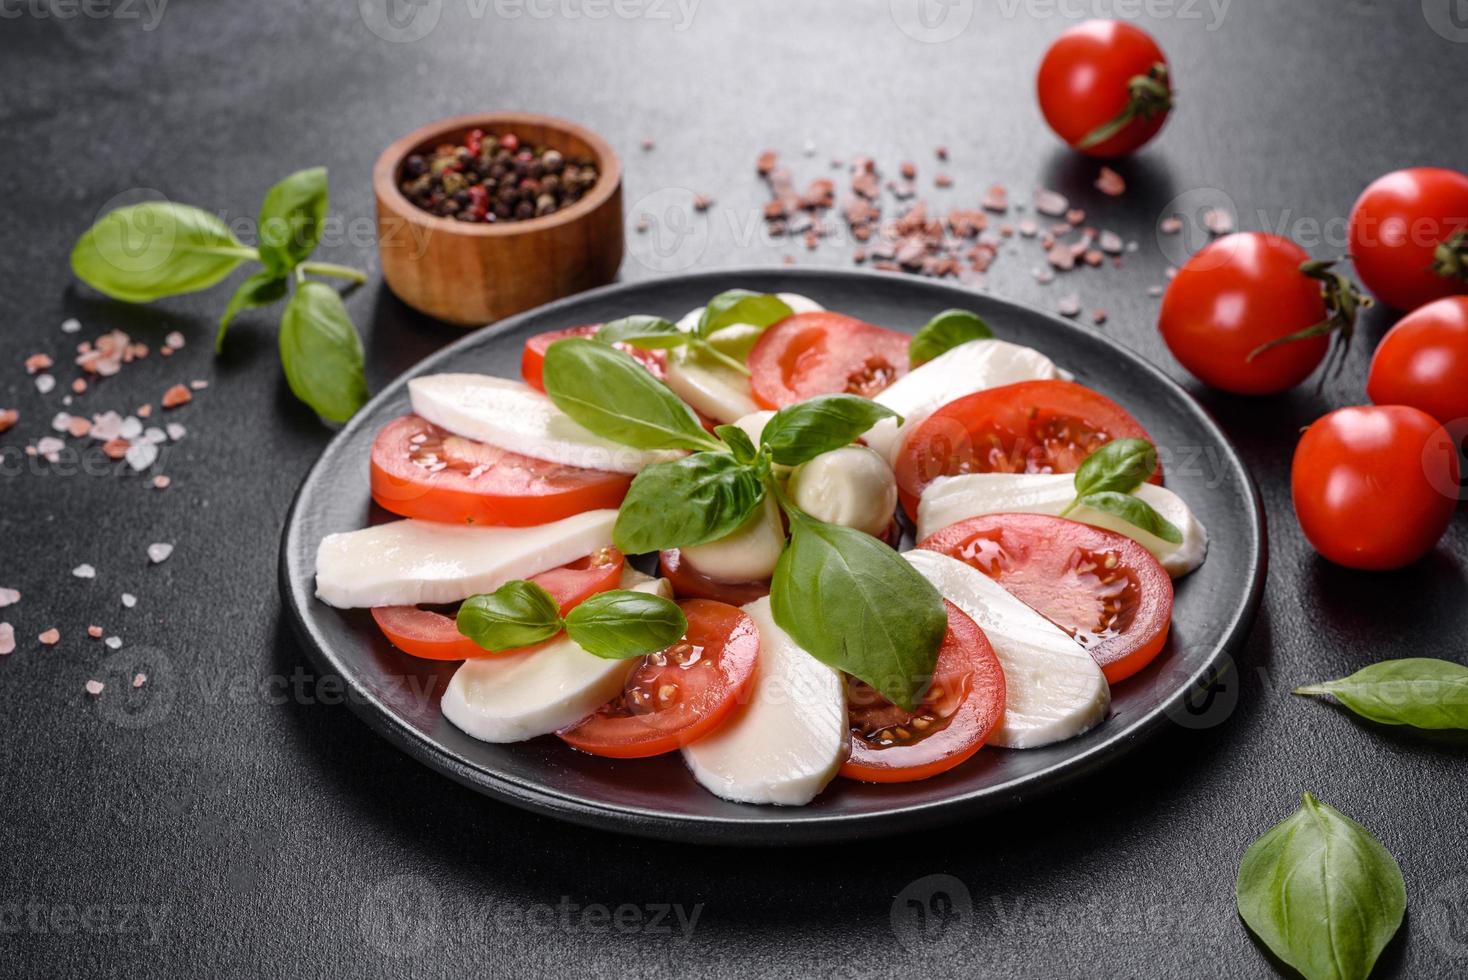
column 796, row 302
column 789, row 740
column 715, row 389
column 747, row 555
column 851, row 486
column 403, row 563
column 953, row 499
column 1053, row 689
column 754, row 424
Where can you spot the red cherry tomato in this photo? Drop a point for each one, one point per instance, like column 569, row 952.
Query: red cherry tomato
column 532, row 358
column 1375, row 487
column 434, row 636
column 420, row 470
column 1409, row 236
column 961, row 709
column 1423, row 362
column 680, row 694
column 1102, row 588
column 1029, row 427
column 1105, row 88
column 689, row 583
column 812, row 354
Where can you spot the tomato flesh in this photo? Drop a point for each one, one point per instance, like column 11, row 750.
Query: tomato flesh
column 962, row 707
column 434, row 636
column 1396, row 228
column 1084, row 79
column 422, row 471
column 689, row 583
column 678, row 695
column 822, row 353
column 532, row 358
column 1102, row 588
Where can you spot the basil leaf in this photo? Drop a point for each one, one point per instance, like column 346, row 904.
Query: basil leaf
column 148, row 251
column 321, row 352
column 687, row 502
column 261, row 289
column 806, row 429
column 622, row 623
column 1322, row 893
column 1121, row 465
column 944, row 332
column 853, row 603
column 1135, row 511
column 290, row 219
column 610, row 394
column 738, row 442
column 517, row 614
column 647, row 332
column 1417, row 691
column 742, row 306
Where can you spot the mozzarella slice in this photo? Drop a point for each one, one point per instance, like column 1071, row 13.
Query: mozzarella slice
column 403, row 563
column 851, row 486
column 953, row 499
column 749, row 554
column 518, row 696
column 789, row 740
column 967, row 368
column 754, row 424
column 715, row 389
column 515, row 417
column 1054, row 690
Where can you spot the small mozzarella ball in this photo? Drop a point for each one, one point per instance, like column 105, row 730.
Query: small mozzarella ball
column 747, row 555
column 754, row 424
column 853, row 487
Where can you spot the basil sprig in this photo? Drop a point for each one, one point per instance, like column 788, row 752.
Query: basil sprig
column 741, row 306
column 150, row 251
column 728, row 309
column 1416, row 691
column 690, row 501
column 1107, row 478
column 800, row 432
column 614, row 625
column 944, row 332
column 1322, row 893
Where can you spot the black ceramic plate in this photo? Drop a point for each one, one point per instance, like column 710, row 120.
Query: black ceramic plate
column 398, row 695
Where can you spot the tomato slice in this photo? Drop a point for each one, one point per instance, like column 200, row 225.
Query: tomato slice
column 532, row 359
column 434, row 636
column 680, row 694
column 811, row 354
column 420, row 470
column 689, row 583
column 1102, row 588
column 1029, row 427
column 963, row 706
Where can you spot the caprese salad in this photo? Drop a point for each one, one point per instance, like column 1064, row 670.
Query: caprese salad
column 767, row 458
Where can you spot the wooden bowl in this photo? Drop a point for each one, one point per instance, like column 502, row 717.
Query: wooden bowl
column 472, row 274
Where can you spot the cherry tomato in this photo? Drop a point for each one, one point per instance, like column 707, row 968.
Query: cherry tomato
column 420, row 470
column 1409, row 236
column 1029, row 427
column 1102, row 588
column 1375, row 487
column 434, row 636
column 812, row 354
column 961, row 709
column 1423, row 362
column 680, row 694
column 689, row 583
column 532, row 358
column 1105, row 88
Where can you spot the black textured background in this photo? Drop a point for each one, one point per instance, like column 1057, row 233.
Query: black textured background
column 262, row 830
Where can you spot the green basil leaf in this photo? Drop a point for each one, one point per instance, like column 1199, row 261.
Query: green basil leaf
column 321, row 352
column 806, row 429
column 261, row 289
column 622, row 623
column 738, row 442
column 944, row 332
column 517, row 614
column 1136, row 512
column 610, row 394
column 690, row 501
column 1121, row 465
column 1322, row 893
column 148, row 251
column 1417, row 691
column 646, row 332
column 290, row 219
column 855, row 604
column 742, row 306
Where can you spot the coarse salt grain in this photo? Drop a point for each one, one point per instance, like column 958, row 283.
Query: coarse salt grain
column 159, row 552
column 50, row 637
column 141, row 455
column 7, row 638
column 161, row 482
column 95, row 632
column 129, row 600
column 174, row 340
column 45, row 384
column 8, row 418
column 201, row 385
column 113, row 642
column 94, row 688
column 175, row 431
column 50, row 447
column 176, row 396
column 84, row 571
column 60, row 422
column 132, row 427
column 72, row 325
column 9, row 597
column 140, row 679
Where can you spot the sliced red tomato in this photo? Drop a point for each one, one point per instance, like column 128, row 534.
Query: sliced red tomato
column 434, row 636
column 532, row 359
column 680, row 694
column 1102, row 588
column 422, row 471
column 963, row 706
column 689, row 583
column 812, row 354
column 1029, row 427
